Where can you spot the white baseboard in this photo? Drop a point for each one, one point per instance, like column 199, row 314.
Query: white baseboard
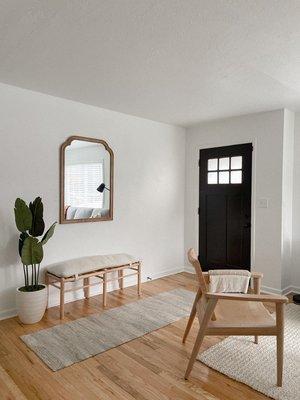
column 268, row 289
column 94, row 291
column 189, row 269
column 9, row 313
column 167, row 272
column 291, row 289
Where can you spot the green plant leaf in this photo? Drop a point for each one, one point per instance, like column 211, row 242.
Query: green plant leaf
column 22, row 238
column 23, row 216
column 32, row 251
column 38, row 224
column 48, row 234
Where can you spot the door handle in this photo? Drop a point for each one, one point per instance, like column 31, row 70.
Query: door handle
column 248, row 225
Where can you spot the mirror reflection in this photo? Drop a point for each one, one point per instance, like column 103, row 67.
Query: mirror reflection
column 87, row 181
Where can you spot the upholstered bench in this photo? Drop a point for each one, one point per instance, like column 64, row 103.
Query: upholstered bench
column 88, row 267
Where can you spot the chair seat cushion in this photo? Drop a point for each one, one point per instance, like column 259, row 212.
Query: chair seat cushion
column 84, row 265
column 236, row 314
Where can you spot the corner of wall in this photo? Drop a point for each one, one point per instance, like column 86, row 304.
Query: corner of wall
column 287, row 198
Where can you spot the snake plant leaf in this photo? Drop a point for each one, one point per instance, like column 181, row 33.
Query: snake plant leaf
column 32, row 251
column 48, row 234
column 38, row 224
column 22, row 238
column 23, row 215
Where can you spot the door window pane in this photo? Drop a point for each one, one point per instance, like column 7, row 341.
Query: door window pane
column 212, row 164
column 212, row 178
column 225, row 170
column 236, row 162
column 224, row 177
column 224, row 163
column 236, row 177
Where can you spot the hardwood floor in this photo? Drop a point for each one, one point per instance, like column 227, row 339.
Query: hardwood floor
column 147, row 368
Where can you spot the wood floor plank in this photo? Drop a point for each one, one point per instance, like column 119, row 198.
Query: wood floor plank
column 8, row 389
column 148, row 368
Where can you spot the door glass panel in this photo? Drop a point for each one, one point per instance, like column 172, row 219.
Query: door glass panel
column 226, row 170
column 212, row 178
column 224, row 163
column 212, row 164
column 236, row 162
column 236, row 176
column 224, row 177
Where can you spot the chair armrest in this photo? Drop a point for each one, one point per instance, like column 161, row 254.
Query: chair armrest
column 256, row 279
column 257, row 275
column 273, row 298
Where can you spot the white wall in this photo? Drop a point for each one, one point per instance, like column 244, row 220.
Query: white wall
column 295, row 274
column 265, row 131
column 149, row 174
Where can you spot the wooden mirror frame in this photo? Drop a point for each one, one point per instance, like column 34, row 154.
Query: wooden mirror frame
column 62, row 219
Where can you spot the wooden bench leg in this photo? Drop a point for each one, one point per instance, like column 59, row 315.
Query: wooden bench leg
column 62, row 298
column 104, row 288
column 139, row 277
column 121, row 278
column 86, row 290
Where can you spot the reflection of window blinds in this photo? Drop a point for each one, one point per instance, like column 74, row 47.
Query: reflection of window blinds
column 81, row 182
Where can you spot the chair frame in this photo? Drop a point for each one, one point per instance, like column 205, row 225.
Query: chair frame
column 204, row 306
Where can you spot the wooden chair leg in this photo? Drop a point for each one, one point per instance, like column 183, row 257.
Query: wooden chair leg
column 86, row 290
column 62, row 298
column 279, row 341
column 211, row 304
column 104, row 288
column 139, row 277
column 121, row 278
column 192, row 316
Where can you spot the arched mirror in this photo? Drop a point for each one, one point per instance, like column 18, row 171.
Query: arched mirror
column 86, row 180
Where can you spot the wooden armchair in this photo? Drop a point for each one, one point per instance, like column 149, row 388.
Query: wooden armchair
column 234, row 314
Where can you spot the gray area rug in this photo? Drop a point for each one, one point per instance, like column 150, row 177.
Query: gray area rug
column 255, row 365
column 64, row 345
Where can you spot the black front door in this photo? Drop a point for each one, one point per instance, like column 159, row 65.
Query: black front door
column 225, row 207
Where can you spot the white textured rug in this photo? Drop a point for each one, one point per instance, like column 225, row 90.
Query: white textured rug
column 255, row 365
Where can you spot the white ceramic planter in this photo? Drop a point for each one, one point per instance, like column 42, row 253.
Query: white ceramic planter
column 31, row 306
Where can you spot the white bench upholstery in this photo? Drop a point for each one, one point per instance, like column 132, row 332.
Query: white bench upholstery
column 83, row 265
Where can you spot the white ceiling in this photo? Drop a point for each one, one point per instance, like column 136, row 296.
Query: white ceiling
column 176, row 61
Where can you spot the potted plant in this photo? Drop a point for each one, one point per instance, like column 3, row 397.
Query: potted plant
column 32, row 297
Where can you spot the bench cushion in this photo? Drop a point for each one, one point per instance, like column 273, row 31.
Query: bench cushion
column 84, row 265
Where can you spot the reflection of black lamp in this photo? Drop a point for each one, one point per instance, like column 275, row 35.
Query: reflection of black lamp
column 102, row 187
